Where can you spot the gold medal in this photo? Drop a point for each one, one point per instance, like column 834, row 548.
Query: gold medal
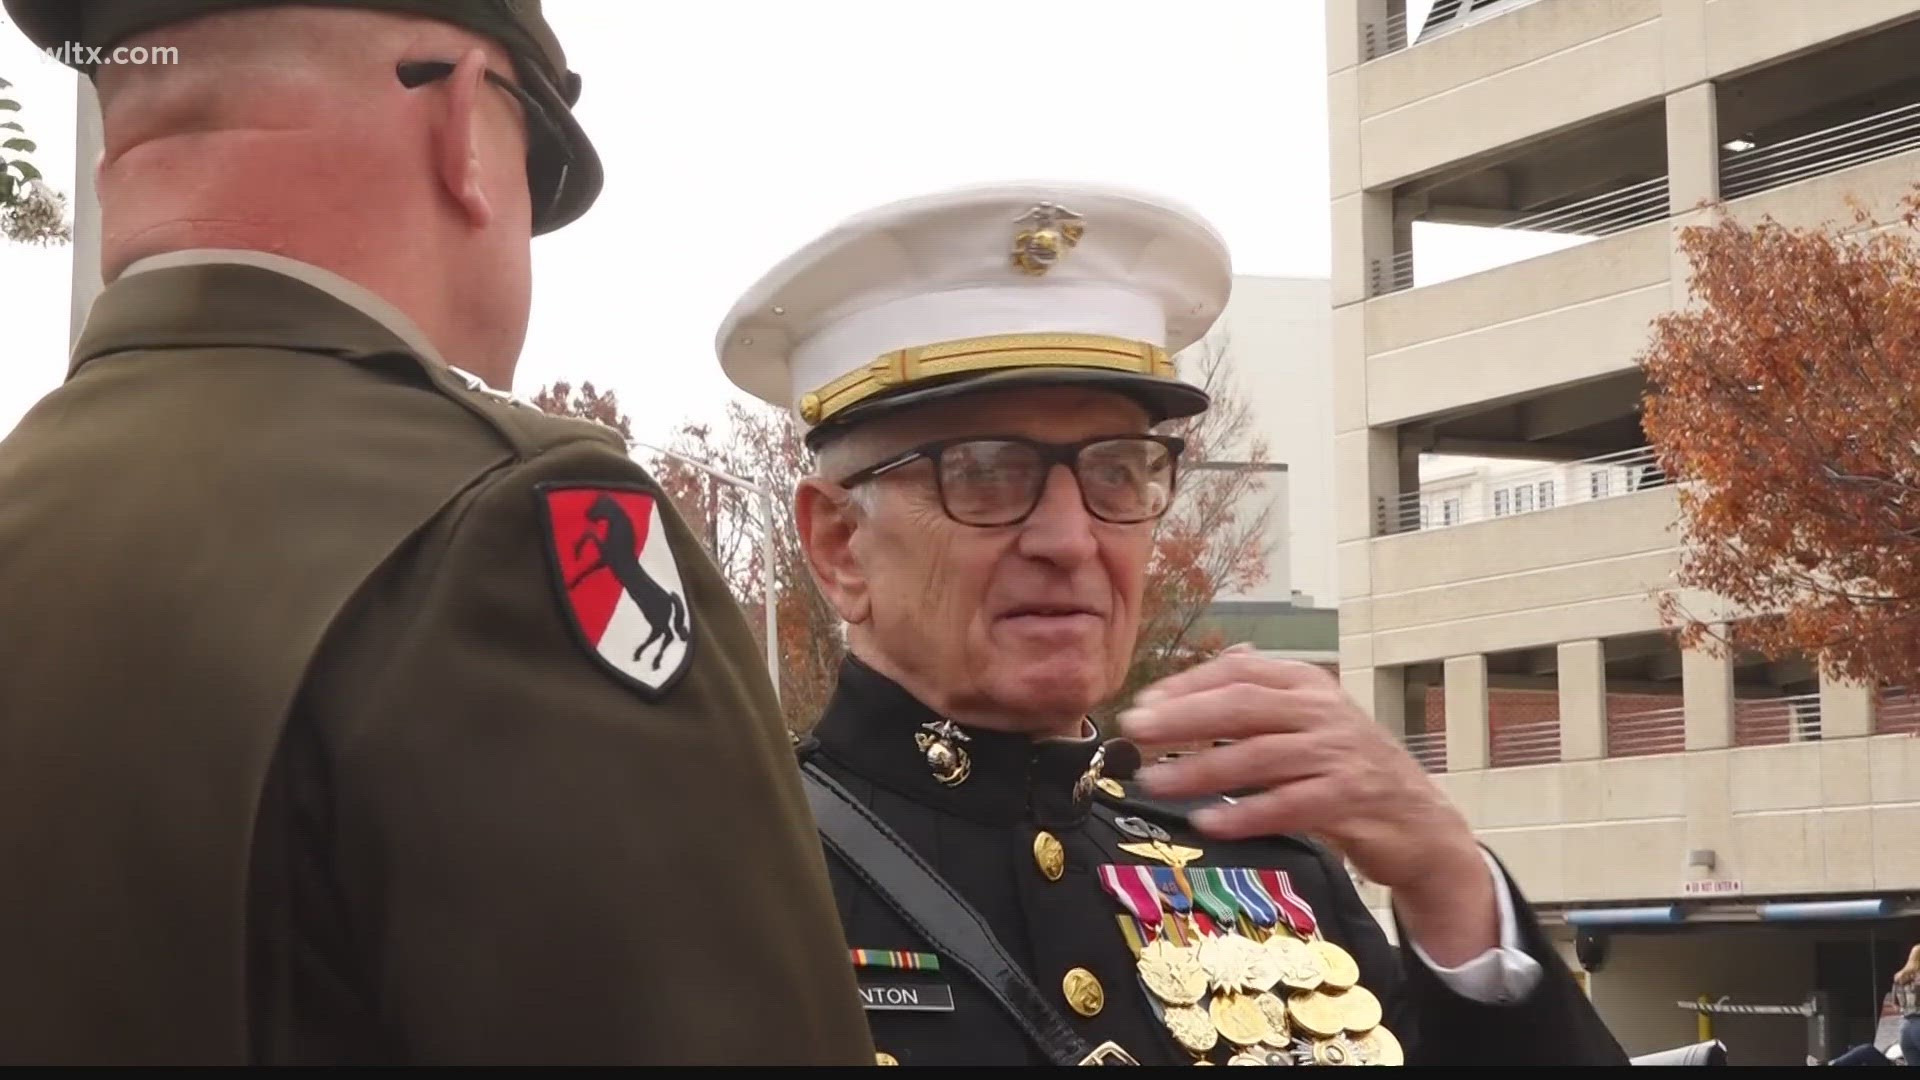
column 1296, row 963
column 1318, row 1013
column 1239, row 1019
column 1334, row 1052
column 1192, row 1027
column 1233, row 962
column 1274, row 1012
column 1337, row 968
column 1262, row 970
column 1359, row 1009
column 1380, row 1047
column 1173, row 973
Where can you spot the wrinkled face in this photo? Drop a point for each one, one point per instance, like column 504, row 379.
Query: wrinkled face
column 1033, row 622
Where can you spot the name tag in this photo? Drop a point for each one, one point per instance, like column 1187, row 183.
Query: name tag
column 906, row 997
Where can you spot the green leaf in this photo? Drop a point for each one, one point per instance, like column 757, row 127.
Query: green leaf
column 9, row 104
column 4, row 84
column 25, row 146
column 26, row 171
column 7, row 184
column 13, row 126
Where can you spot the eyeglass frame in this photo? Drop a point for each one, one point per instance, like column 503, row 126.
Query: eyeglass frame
column 417, row 73
column 1051, row 454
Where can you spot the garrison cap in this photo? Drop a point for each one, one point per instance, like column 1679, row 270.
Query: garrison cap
column 564, row 174
column 986, row 286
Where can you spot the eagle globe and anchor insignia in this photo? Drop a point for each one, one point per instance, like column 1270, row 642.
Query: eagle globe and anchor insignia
column 619, row 581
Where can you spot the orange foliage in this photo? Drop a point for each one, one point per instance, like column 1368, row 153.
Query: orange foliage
column 1785, row 403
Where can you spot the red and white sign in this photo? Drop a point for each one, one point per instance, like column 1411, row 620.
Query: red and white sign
column 618, row 580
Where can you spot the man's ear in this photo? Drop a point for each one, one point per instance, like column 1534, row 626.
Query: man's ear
column 457, row 139
column 827, row 521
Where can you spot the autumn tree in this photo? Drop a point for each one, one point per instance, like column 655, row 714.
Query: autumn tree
column 30, row 211
column 1214, row 541
column 1784, row 400
column 761, row 446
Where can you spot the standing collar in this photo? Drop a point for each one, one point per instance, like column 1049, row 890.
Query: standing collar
column 869, row 727
column 231, row 298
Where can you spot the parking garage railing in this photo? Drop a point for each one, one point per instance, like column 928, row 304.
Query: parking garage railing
column 1444, row 503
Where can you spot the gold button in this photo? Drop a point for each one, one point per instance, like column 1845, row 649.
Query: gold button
column 884, row 1058
column 1112, row 787
column 1083, row 992
column 1051, row 857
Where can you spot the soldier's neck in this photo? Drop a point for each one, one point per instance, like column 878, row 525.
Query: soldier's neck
column 394, row 241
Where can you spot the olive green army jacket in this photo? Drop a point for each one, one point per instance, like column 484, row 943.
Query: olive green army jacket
column 351, row 713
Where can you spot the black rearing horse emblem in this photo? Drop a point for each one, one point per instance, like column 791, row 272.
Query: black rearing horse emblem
column 619, row 555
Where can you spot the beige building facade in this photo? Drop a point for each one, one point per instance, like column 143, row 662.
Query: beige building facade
column 1726, row 827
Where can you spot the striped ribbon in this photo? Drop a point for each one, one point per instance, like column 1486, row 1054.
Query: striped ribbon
column 1298, row 913
column 896, row 958
column 1170, row 890
column 1210, row 889
column 1253, row 899
column 1133, row 887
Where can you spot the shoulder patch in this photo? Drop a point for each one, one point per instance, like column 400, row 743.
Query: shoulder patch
column 618, row 581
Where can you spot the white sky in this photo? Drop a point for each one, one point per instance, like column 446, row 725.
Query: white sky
column 735, row 130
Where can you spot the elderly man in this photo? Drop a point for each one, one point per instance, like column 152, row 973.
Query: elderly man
column 353, row 714
column 983, row 374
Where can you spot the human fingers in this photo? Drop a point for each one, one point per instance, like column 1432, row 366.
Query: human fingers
column 1257, row 763
column 1295, row 807
column 1239, row 665
column 1238, row 710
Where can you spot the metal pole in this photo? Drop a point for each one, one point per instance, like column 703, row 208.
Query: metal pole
column 767, row 574
column 766, row 546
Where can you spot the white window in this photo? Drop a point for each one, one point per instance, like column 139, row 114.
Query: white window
column 1545, row 487
column 1501, row 502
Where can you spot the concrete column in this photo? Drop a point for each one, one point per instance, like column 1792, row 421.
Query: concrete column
column 1846, row 709
column 1367, row 476
column 1706, row 686
column 1363, row 244
column 86, row 207
column 1684, row 24
column 1467, row 746
column 1390, row 700
column 1583, row 700
column 1693, row 148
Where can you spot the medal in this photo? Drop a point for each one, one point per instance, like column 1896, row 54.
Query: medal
column 1169, row 971
column 1232, row 961
column 1337, row 968
column 1318, row 1013
column 1295, row 961
column 1191, row 1027
column 1334, row 1052
column 1274, row 1012
column 1379, row 1047
column 1359, row 1009
column 1172, row 973
column 1239, row 1019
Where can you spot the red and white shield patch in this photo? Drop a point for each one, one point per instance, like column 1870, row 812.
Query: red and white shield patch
column 619, row 581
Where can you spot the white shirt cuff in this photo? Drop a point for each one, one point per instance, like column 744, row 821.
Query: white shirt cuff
column 1499, row 976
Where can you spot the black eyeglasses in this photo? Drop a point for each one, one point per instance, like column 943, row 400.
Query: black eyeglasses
column 548, row 158
column 995, row 481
